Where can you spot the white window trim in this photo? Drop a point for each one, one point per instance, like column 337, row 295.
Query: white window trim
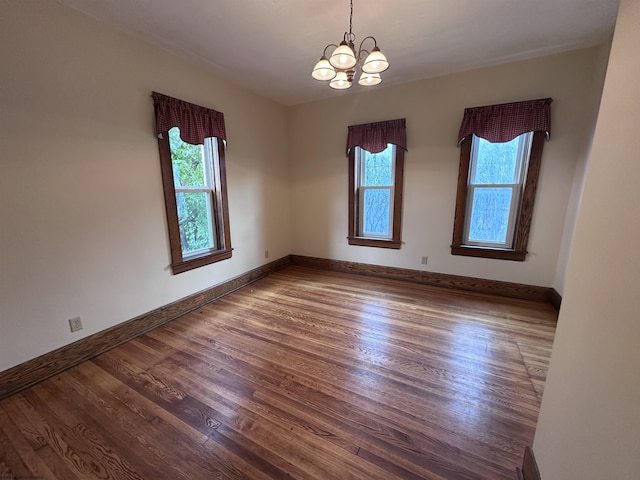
column 360, row 155
column 522, row 160
column 211, row 181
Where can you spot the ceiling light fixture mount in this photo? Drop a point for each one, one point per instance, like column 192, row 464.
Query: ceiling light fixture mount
column 340, row 68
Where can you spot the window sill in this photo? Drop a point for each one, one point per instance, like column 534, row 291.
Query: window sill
column 484, row 252
column 191, row 263
column 374, row 242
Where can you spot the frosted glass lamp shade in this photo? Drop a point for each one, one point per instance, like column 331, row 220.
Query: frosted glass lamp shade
column 343, row 57
column 323, row 70
column 375, row 62
column 341, row 81
column 369, row 79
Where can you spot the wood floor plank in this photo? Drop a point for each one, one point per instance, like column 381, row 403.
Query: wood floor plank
column 304, row 374
column 43, row 438
column 151, row 443
column 11, row 462
column 30, row 460
column 353, row 398
column 400, row 367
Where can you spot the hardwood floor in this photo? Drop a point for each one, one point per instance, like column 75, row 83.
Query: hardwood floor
column 305, row 374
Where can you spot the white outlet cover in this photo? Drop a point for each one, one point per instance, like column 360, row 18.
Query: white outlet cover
column 75, row 324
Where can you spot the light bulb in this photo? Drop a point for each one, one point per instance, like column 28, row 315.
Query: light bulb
column 369, row 79
column 341, row 81
column 375, row 62
column 343, row 57
column 323, row 70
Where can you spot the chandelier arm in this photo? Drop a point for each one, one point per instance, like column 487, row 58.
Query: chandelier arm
column 362, row 54
column 375, row 43
column 324, row 53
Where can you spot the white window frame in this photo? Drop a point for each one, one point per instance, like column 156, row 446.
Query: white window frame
column 211, row 166
column 362, row 189
column 522, row 160
column 356, row 199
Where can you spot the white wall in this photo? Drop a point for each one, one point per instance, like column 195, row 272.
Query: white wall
column 82, row 221
column 590, row 415
column 577, row 186
column 433, row 109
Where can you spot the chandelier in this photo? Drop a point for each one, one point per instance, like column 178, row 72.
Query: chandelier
column 340, row 68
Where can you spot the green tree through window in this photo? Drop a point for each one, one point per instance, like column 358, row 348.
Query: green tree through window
column 194, row 180
column 194, row 194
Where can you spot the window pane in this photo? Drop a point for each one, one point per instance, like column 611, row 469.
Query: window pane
column 490, row 215
column 187, row 161
column 194, row 218
column 496, row 162
column 375, row 217
column 378, row 168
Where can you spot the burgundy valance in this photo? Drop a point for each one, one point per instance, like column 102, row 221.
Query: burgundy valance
column 504, row 122
column 374, row 137
column 195, row 122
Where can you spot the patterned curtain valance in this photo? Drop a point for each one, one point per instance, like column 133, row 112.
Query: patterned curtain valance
column 504, row 122
column 374, row 137
column 195, row 122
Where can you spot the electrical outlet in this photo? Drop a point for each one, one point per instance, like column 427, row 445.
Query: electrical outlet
column 425, row 260
column 75, row 324
column 266, row 254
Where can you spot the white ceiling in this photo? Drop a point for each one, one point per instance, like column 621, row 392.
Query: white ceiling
column 270, row 46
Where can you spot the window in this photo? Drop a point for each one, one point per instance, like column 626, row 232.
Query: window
column 498, row 177
column 375, row 184
column 377, row 197
column 194, row 180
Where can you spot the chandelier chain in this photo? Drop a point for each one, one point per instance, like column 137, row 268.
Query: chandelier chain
column 351, row 18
